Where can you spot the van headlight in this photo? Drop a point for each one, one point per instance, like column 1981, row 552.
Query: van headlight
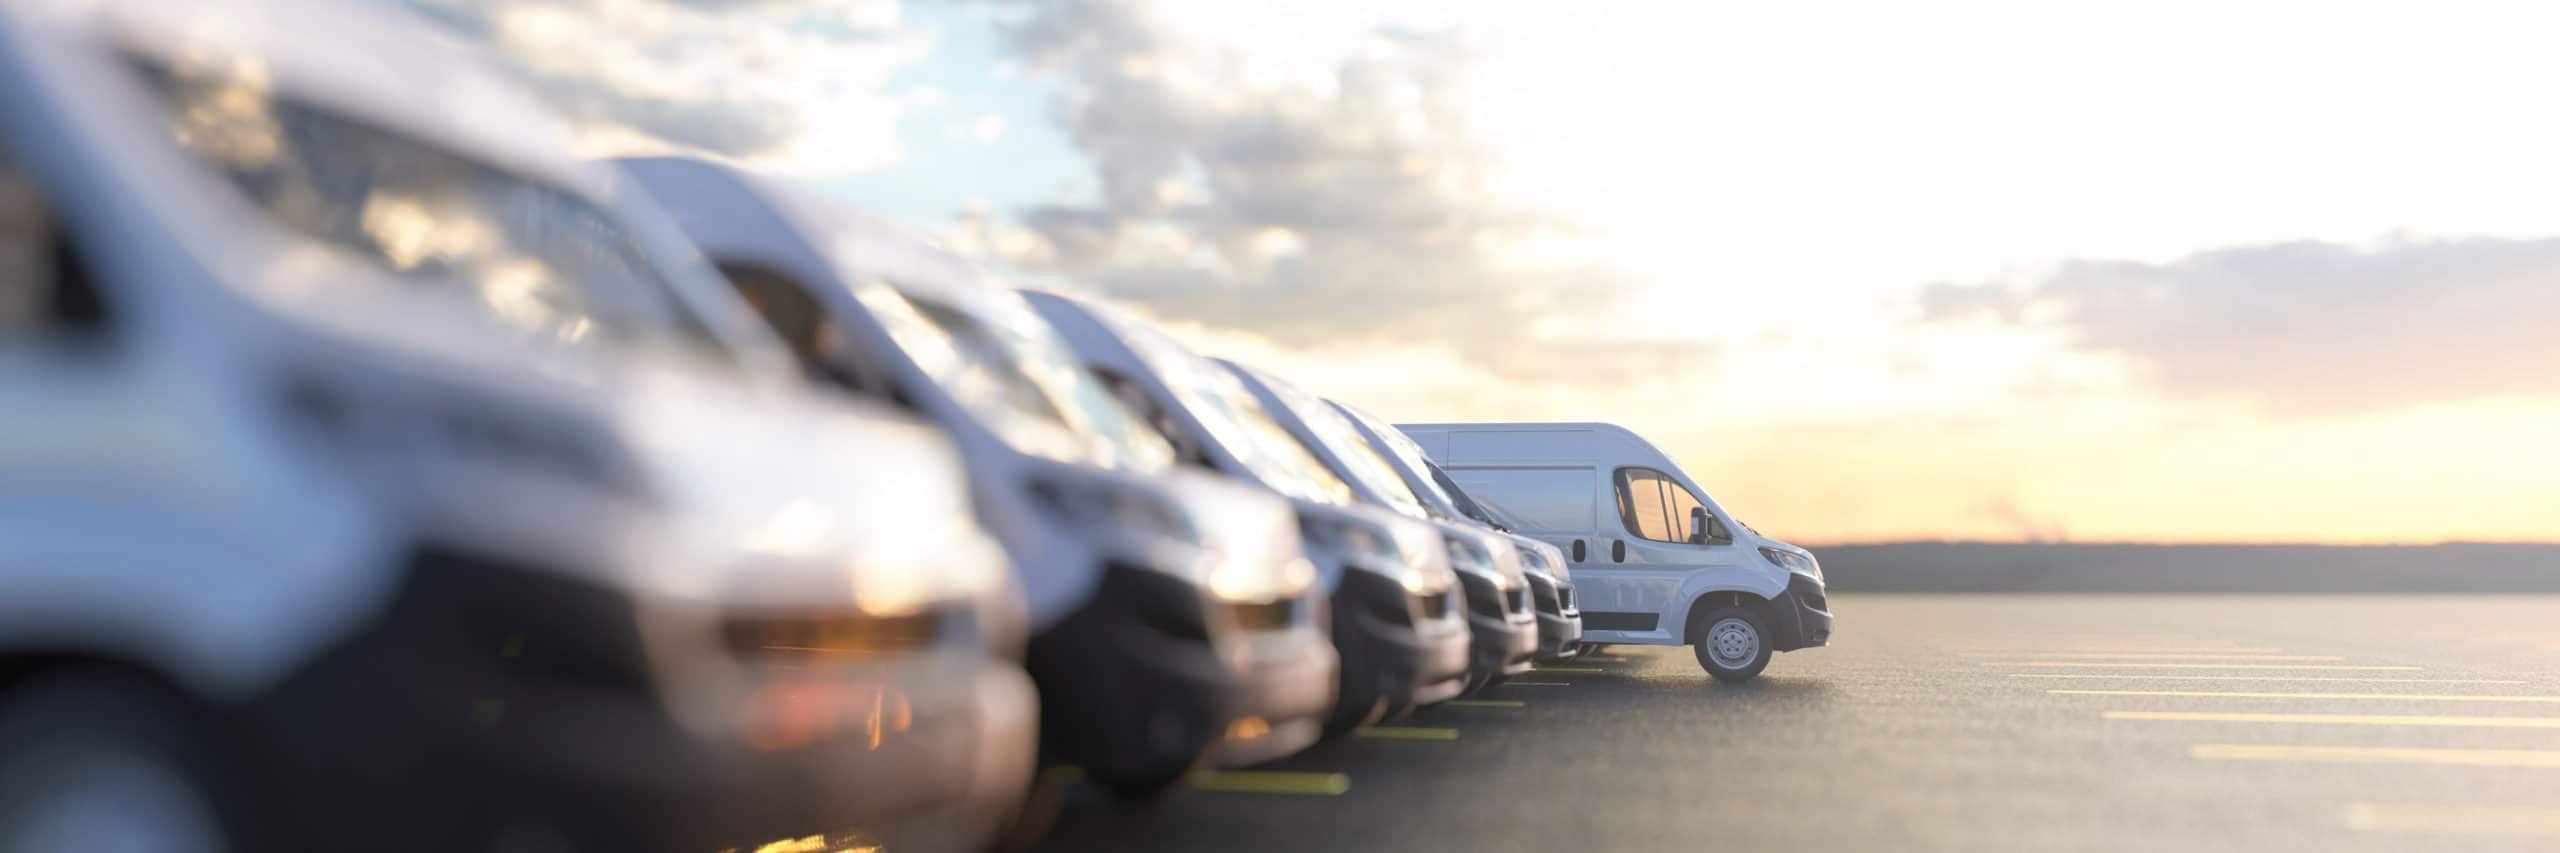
column 1466, row 555
column 1792, row 561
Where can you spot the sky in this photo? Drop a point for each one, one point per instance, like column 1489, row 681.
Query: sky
column 2033, row 271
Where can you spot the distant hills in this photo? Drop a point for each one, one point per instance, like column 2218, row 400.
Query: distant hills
column 2064, row 567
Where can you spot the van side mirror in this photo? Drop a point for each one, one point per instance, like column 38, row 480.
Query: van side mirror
column 1706, row 529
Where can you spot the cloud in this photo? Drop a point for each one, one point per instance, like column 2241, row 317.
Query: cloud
column 2308, row 326
column 1349, row 205
column 792, row 85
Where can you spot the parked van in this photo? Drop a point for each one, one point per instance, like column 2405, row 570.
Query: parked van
column 1333, row 439
column 1399, row 620
column 1550, row 582
column 375, row 475
column 1657, row 560
column 1175, row 613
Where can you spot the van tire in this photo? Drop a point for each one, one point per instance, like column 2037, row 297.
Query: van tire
column 1732, row 643
column 76, row 741
column 1142, row 792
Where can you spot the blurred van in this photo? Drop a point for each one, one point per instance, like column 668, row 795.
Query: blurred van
column 1333, row 439
column 1400, row 623
column 375, row 475
column 1550, row 581
column 1657, row 560
column 1174, row 614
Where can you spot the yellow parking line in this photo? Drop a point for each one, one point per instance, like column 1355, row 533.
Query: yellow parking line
column 1569, row 669
column 2341, row 719
column 2452, row 819
column 2253, row 694
column 1271, row 782
column 2192, row 665
column 1536, row 683
column 2330, row 678
column 2164, row 656
column 1485, row 703
column 1405, row 733
column 1991, row 651
column 2376, row 755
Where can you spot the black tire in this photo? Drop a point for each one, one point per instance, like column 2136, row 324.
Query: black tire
column 1142, row 791
column 73, row 742
column 1731, row 643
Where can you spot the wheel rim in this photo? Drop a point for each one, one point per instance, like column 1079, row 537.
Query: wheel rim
column 112, row 801
column 1733, row 643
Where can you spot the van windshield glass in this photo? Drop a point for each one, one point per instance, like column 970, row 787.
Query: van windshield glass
column 1343, row 440
column 1234, row 419
column 1443, row 497
column 532, row 256
column 1012, row 372
column 1483, row 512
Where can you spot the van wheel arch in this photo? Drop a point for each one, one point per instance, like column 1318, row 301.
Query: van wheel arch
column 1708, row 602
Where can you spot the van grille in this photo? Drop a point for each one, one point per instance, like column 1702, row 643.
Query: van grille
column 1519, row 600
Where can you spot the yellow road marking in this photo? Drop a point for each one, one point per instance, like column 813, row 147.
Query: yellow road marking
column 2376, row 755
column 1405, row 733
column 1485, row 703
column 2114, row 645
column 1271, row 782
column 1569, row 669
column 2192, row 665
column 2451, row 819
column 2252, row 694
column 2333, row 678
column 1536, row 683
column 2163, row 656
column 2341, row 719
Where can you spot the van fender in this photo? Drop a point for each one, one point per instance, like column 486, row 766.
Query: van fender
column 220, row 611
column 1713, row 587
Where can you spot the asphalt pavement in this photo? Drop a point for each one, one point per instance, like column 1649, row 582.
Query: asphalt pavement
column 1992, row 722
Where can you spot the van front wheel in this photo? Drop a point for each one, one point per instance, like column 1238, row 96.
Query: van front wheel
column 1731, row 644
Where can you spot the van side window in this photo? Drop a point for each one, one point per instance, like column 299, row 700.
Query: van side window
column 1653, row 506
column 45, row 287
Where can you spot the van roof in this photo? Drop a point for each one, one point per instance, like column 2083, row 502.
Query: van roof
column 735, row 215
column 1628, row 442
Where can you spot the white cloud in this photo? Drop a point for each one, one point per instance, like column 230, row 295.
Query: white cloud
column 798, row 86
column 2308, row 327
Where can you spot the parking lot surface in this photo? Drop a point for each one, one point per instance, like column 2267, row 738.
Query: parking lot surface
column 2023, row 722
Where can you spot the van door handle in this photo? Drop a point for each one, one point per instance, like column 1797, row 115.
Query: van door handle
column 1577, row 550
column 1618, row 550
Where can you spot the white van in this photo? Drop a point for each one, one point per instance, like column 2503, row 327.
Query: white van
column 1173, row 611
column 1657, row 561
column 373, row 474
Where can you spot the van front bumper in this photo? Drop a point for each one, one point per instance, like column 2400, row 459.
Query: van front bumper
column 1559, row 621
column 1802, row 615
column 1399, row 650
column 491, row 703
column 1285, row 686
column 1505, row 635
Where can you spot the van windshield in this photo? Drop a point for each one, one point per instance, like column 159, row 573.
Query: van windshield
column 1337, row 435
column 1010, row 370
column 534, row 257
column 1443, row 497
column 1483, row 512
column 1234, row 419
